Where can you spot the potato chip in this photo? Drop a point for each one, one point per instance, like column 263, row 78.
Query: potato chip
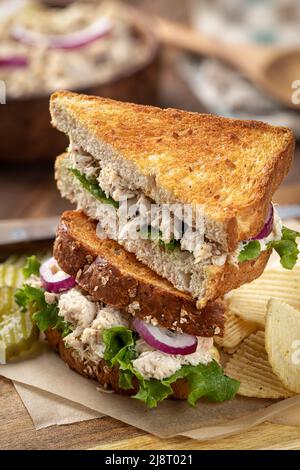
column 235, row 331
column 215, row 354
column 250, row 301
column 251, row 367
column 283, row 342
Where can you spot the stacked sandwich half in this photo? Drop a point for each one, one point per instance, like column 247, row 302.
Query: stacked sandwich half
column 138, row 300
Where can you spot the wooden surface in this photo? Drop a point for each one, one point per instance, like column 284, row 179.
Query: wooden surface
column 17, row 430
column 31, row 192
column 265, row 437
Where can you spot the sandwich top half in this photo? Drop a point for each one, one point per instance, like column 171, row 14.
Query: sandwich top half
column 226, row 169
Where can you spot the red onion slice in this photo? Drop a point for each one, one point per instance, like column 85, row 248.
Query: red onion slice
column 267, row 228
column 54, row 279
column 165, row 340
column 100, row 28
column 13, row 62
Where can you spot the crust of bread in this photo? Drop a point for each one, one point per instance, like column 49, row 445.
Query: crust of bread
column 107, row 377
column 231, row 167
column 110, row 274
column 223, row 279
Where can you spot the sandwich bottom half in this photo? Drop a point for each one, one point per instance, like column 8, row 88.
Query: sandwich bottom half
column 102, row 343
column 119, row 350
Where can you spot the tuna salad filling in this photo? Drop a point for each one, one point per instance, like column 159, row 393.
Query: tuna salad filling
column 43, row 49
column 90, row 319
column 106, row 185
column 96, row 332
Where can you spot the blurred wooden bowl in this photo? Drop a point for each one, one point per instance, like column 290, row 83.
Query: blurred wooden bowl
column 26, row 135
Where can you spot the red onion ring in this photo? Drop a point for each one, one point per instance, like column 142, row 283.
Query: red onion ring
column 54, row 279
column 99, row 29
column 14, row 62
column 267, row 228
column 165, row 340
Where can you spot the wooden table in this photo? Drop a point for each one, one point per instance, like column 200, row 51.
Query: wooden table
column 31, row 192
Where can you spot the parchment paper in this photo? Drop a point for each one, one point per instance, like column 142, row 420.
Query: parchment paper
column 47, row 372
column 46, row 409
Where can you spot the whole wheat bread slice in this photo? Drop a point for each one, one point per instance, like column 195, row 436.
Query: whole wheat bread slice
column 231, row 167
column 107, row 272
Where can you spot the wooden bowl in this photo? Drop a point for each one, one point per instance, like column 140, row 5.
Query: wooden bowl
column 26, row 135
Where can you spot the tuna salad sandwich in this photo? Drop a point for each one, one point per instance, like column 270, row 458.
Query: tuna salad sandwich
column 173, row 211
column 114, row 320
column 222, row 172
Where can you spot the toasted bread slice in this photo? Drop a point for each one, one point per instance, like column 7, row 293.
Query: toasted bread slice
column 230, row 167
column 107, row 377
column 109, row 273
column 204, row 282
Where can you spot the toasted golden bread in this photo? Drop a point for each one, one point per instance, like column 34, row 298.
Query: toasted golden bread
column 231, row 167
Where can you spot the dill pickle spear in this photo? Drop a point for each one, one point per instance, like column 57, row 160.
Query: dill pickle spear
column 17, row 334
column 7, row 301
column 11, row 275
column 17, row 330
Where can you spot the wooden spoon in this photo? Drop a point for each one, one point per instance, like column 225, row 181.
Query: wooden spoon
column 274, row 69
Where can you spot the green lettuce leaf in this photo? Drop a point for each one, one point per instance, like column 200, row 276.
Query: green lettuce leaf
column 119, row 351
column 169, row 246
column 204, row 380
column 286, row 248
column 45, row 315
column 32, row 267
column 153, row 391
column 249, row 251
column 92, row 186
column 156, row 236
column 289, row 234
column 29, row 295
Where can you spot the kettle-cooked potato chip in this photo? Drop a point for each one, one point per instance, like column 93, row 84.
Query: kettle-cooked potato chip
column 250, row 366
column 283, row 342
column 235, row 331
column 250, row 301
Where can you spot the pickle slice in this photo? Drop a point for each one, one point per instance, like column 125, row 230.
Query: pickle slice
column 17, row 334
column 7, row 301
column 16, row 260
column 11, row 271
column 11, row 275
column 17, row 330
